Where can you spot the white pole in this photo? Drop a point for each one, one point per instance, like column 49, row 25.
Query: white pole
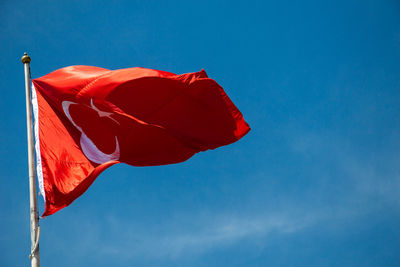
column 35, row 231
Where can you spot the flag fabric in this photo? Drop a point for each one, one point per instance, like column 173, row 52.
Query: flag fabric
column 88, row 119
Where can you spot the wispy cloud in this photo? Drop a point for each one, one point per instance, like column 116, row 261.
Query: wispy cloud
column 213, row 232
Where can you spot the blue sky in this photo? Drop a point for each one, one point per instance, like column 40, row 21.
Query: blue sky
column 315, row 183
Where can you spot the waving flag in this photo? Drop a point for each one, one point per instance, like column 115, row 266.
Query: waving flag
column 89, row 118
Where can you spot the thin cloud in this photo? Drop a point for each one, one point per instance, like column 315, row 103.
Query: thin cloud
column 228, row 231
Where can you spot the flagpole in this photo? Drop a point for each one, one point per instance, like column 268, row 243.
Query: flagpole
column 35, row 231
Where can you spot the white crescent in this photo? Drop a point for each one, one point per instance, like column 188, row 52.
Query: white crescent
column 91, row 151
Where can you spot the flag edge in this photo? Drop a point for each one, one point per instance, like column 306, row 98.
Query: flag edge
column 39, row 169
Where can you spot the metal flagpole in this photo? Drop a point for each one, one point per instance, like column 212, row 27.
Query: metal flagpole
column 35, row 231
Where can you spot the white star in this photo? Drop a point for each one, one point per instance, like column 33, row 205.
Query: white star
column 102, row 113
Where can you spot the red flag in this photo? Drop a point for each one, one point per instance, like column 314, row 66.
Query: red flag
column 89, row 118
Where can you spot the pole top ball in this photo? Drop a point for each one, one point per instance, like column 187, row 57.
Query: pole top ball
column 26, row 58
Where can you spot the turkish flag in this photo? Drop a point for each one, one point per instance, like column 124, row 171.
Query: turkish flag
column 89, row 118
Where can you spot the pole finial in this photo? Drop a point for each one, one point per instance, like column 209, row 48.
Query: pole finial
column 25, row 58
